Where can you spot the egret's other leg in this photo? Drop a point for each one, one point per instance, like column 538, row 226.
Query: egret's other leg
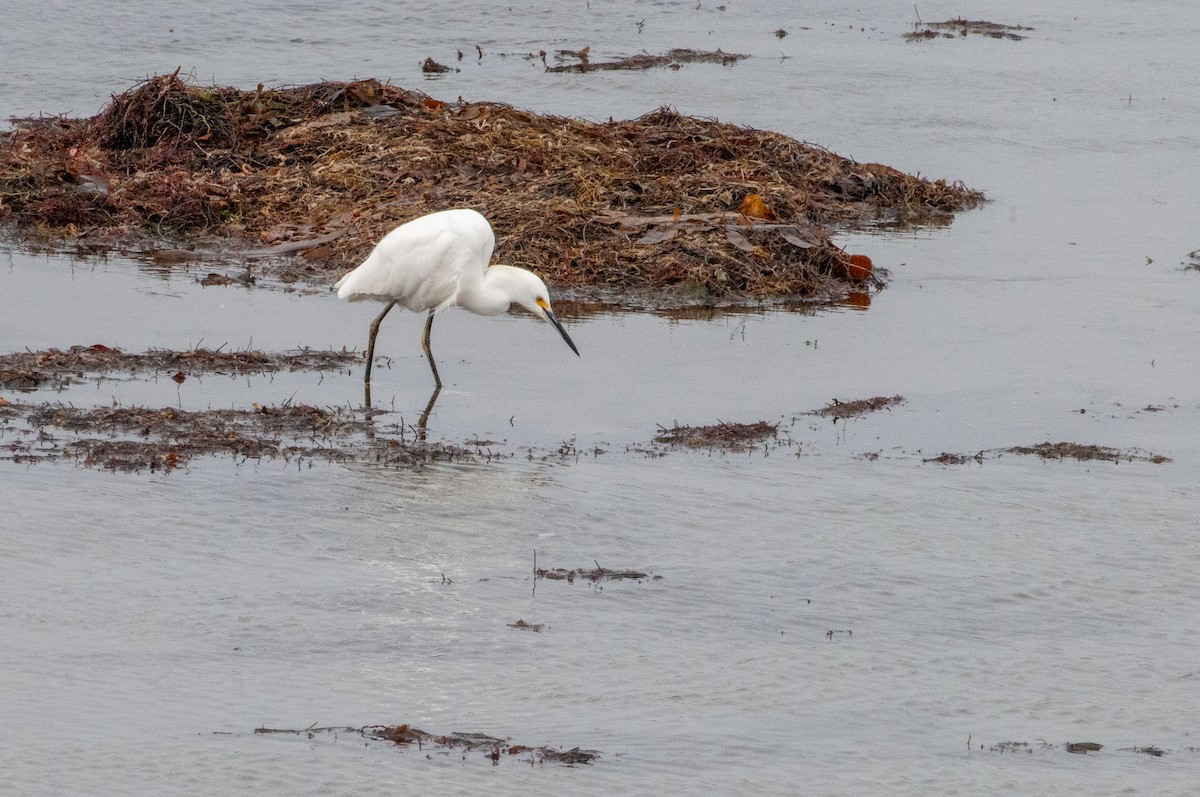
column 371, row 342
column 423, row 422
column 425, row 345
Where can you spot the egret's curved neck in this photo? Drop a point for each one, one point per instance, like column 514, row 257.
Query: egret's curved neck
column 491, row 295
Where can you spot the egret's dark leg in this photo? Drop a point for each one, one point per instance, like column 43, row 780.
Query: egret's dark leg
column 371, row 347
column 425, row 345
column 424, row 420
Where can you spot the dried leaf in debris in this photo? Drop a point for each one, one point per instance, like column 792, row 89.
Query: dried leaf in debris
column 754, row 207
column 859, row 267
column 795, row 239
column 660, row 234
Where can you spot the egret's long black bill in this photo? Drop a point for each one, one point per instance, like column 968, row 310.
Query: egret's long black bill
column 554, row 320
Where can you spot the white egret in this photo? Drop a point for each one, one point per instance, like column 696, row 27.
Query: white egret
column 438, row 261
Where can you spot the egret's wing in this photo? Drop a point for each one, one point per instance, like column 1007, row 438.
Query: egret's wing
column 423, row 264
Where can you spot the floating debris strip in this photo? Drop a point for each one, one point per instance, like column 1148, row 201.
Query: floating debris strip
column 599, row 573
column 838, row 409
column 300, row 183
column 592, row 574
column 672, row 59
column 136, row 438
column 956, row 27
column 524, row 626
column 33, row 370
column 729, row 436
column 492, row 748
column 1077, row 748
column 1059, row 451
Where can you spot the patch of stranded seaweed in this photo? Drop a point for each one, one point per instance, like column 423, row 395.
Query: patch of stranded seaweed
column 724, row 436
column 524, row 626
column 672, row 59
column 1056, row 451
column 1084, row 453
column 946, row 458
column 55, row 369
column 1078, row 748
column 838, row 409
column 591, row 574
column 132, row 439
column 964, row 27
column 738, row 437
column 493, row 748
column 663, row 204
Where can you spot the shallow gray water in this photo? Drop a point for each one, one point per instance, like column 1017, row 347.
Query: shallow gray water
column 151, row 622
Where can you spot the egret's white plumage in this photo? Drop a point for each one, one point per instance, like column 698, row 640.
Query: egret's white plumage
column 438, row 261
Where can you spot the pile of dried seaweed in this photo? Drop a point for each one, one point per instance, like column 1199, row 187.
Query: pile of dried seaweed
column 665, row 201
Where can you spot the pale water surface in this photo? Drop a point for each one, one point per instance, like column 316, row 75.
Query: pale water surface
column 150, row 622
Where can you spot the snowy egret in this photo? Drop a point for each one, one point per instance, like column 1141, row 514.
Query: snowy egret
column 438, row 261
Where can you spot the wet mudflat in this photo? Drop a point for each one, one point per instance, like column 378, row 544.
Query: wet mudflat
column 1003, row 603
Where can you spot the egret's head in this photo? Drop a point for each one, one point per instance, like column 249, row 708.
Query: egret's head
column 535, row 298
